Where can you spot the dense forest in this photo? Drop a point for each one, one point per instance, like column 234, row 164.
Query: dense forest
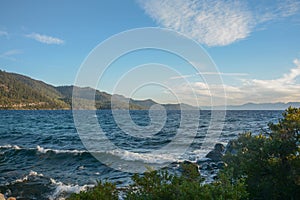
column 21, row 92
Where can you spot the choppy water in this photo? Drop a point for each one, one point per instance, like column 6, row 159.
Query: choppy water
column 43, row 157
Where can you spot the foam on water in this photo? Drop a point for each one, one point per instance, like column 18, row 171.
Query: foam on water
column 125, row 155
column 146, row 158
column 26, row 177
column 43, row 150
column 8, row 146
column 62, row 189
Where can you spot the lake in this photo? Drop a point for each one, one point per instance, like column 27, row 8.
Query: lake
column 43, row 157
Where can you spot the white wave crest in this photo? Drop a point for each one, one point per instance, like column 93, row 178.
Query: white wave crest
column 43, row 150
column 62, row 189
column 25, row 178
column 8, row 146
column 146, row 158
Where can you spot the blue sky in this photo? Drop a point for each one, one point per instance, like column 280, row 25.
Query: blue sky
column 255, row 44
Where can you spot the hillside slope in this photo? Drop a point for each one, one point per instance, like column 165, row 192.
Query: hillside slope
column 22, row 92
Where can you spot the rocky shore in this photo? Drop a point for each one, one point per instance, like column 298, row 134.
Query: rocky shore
column 210, row 165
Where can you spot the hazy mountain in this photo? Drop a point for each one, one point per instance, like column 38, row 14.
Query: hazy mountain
column 258, row 106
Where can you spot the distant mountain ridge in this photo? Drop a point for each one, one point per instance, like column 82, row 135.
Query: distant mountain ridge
column 256, row 106
column 22, row 92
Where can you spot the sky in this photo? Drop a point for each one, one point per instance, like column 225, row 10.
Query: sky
column 254, row 46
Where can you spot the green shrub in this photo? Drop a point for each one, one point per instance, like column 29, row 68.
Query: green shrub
column 270, row 161
column 103, row 191
column 160, row 185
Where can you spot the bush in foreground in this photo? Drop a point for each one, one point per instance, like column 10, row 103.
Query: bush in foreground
column 107, row 191
column 270, row 161
column 161, row 185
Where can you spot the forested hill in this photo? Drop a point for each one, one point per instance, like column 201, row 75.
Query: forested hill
column 21, row 92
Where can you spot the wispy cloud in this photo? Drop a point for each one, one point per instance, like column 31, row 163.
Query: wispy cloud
column 209, row 73
column 216, row 23
column 282, row 89
column 10, row 54
column 276, row 10
column 287, row 8
column 3, row 33
column 45, row 38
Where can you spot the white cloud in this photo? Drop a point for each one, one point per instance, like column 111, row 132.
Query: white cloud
column 282, row 89
column 9, row 54
column 216, row 23
column 288, row 8
column 45, row 38
column 208, row 73
column 3, row 33
column 276, row 10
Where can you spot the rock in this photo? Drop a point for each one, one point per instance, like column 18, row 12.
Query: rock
column 2, row 196
column 214, row 155
column 219, row 147
column 231, row 147
column 217, row 153
column 203, row 160
column 220, row 165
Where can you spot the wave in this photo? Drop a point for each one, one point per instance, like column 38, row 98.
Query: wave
column 146, row 158
column 55, row 189
column 122, row 154
column 26, row 177
column 43, row 150
column 62, row 189
column 8, row 146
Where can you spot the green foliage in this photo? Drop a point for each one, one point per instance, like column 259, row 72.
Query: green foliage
column 160, row 185
column 103, row 191
column 227, row 188
column 270, row 162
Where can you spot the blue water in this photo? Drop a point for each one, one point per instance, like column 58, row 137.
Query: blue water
column 43, row 157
